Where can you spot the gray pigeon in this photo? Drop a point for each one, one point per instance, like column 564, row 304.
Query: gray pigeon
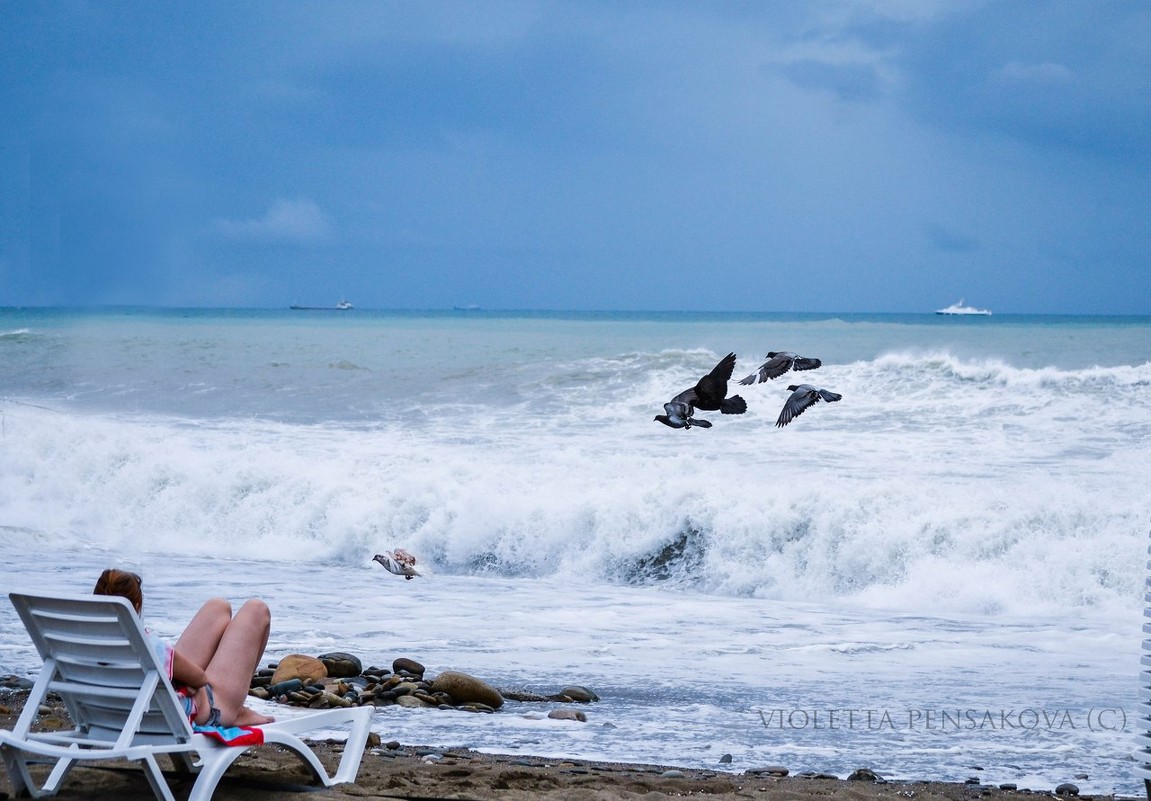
column 708, row 394
column 803, row 396
column 779, row 362
column 679, row 416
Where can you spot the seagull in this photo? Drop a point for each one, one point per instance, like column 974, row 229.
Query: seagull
column 778, row 363
column 399, row 562
column 708, row 394
column 802, row 396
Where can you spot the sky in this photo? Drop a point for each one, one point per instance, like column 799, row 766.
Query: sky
column 867, row 156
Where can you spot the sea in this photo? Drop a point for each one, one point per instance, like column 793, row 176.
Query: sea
column 940, row 576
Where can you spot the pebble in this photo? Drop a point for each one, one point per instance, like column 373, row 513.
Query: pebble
column 567, row 714
column 403, row 664
column 579, row 694
column 770, row 770
column 341, row 665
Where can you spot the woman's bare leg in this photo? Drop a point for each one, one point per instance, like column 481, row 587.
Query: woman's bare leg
column 235, row 659
column 201, row 638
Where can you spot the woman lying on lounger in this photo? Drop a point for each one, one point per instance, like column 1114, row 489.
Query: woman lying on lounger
column 213, row 661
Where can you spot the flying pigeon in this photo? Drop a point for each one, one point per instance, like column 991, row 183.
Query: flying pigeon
column 778, row 363
column 399, row 562
column 803, row 396
column 678, row 416
column 708, row 394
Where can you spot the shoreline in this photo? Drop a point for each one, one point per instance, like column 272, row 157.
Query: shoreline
column 391, row 770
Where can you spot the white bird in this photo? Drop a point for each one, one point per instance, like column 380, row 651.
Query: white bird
column 399, row 562
column 802, row 396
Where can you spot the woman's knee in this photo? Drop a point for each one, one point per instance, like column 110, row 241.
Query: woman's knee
column 217, row 607
column 257, row 610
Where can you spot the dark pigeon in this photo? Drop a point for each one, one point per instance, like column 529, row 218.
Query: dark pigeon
column 709, row 395
column 778, row 363
column 803, row 396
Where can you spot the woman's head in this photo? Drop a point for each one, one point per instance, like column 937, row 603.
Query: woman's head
column 122, row 583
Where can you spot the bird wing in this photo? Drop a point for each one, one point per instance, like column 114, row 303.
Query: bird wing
column 776, row 365
column 392, row 565
column 686, row 399
column 800, row 399
column 829, row 396
column 713, row 387
column 804, row 363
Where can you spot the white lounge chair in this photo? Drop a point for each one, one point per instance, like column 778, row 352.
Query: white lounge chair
column 96, row 659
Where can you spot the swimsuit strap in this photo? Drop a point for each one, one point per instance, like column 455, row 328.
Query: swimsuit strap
column 213, row 711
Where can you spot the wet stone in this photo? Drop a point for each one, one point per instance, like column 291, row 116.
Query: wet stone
column 772, row 770
column 408, row 665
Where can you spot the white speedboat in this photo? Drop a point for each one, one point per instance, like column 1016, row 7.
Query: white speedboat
column 959, row 308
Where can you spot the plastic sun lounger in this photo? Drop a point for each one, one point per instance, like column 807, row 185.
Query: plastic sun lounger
column 124, row 707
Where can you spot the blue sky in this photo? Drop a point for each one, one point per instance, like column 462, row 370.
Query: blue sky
column 886, row 156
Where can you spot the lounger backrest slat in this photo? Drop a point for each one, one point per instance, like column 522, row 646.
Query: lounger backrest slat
column 103, row 668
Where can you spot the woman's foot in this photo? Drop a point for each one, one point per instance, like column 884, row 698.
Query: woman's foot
column 250, row 717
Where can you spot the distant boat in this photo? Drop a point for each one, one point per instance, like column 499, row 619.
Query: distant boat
column 343, row 305
column 470, row 307
column 960, row 309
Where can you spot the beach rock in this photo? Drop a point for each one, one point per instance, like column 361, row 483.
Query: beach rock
column 725, row 759
column 767, row 770
column 411, row 702
column 1009, row 786
column 284, row 687
column 863, row 775
column 673, row 774
column 464, row 688
column 524, row 695
column 299, row 666
column 578, row 694
column 341, row 665
column 1067, row 788
column 404, row 664
column 567, row 714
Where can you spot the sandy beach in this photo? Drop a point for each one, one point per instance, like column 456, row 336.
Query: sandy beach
column 404, row 771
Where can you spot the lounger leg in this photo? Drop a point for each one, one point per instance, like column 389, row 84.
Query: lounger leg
column 23, row 783
column 18, row 773
column 57, row 776
column 214, row 762
column 1147, row 788
column 156, row 779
